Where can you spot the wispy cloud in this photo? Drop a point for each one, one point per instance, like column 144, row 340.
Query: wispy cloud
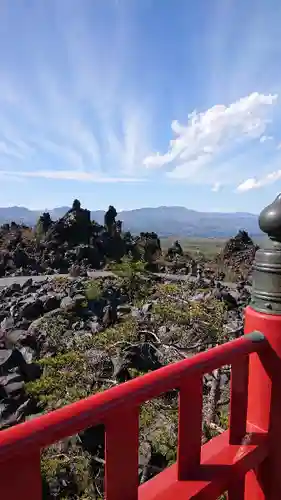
column 68, row 175
column 216, row 187
column 255, row 183
column 74, row 114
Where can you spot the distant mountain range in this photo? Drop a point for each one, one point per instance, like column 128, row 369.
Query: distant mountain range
column 166, row 221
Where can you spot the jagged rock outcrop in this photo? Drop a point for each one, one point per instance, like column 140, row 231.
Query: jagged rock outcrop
column 238, row 253
column 74, row 240
column 174, row 250
column 73, row 228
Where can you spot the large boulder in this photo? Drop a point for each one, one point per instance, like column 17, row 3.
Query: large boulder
column 74, row 227
column 14, row 372
column 239, row 253
column 32, row 308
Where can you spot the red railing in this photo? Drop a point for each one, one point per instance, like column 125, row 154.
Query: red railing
column 224, row 463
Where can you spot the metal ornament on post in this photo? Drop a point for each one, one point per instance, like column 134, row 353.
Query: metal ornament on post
column 264, row 395
column 266, row 292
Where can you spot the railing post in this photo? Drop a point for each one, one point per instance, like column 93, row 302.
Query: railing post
column 190, row 427
column 264, row 396
column 21, row 477
column 121, row 455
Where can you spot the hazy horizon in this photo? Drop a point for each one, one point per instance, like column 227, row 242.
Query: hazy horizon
column 120, row 210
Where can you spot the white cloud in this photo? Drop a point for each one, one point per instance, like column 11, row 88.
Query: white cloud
column 68, row 175
column 255, row 183
column 216, row 187
column 211, row 133
column 265, row 138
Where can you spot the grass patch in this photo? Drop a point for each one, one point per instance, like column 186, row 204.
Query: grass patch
column 93, row 290
column 66, row 468
column 66, row 378
column 159, row 423
column 208, row 315
column 209, row 247
column 127, row 268
column 122, row 332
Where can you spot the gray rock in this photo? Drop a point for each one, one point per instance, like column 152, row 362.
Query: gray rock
column 136, row 313
column 143, row 357
column 162, row 330
column 27, row 283
column 5, row 355
column 14, row 337
column 144, row 453
column 11, row 383
column 95, row 327
column 35, row 326
column 124, row 308
column 68, row 304
column 147, row 307
column 78, row 325
column 28, row 354
column 13, row 412
column 50, row 302
column 32, row 309
column 198, row 297
column 224, row 379
column 7, row 323
column 73, row 303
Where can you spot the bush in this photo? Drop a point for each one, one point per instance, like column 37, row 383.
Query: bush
column 123, row 332
column 127, row 268
column 66, row 378
column 93, row 290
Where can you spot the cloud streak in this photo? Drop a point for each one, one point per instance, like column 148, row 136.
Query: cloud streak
column 74, row 121
column 68, row 175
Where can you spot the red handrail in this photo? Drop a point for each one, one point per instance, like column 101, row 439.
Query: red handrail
column 118, row 408
column 94, row 410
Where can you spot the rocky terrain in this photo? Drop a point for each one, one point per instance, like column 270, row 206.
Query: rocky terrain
column 76, row 245
column 67, row 337
column 74, row 240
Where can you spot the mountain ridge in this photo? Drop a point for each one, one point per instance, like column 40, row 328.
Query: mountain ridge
column 164, row 220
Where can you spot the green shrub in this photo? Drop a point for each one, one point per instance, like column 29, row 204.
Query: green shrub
column 122, row 332
column 66, row 378
column 93, row 290
column 127, row 268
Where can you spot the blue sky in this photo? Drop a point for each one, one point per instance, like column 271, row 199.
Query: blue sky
column 140, row 103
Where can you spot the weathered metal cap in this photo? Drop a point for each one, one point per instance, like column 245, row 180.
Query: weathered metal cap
column 266, row 290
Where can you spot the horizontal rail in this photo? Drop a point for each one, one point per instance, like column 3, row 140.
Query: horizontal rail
column 100, row 408
column 222, row 464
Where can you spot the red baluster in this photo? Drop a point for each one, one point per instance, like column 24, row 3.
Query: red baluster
column 238, row 415
column 21, row 478
column 121, row 455
column 190, row 426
